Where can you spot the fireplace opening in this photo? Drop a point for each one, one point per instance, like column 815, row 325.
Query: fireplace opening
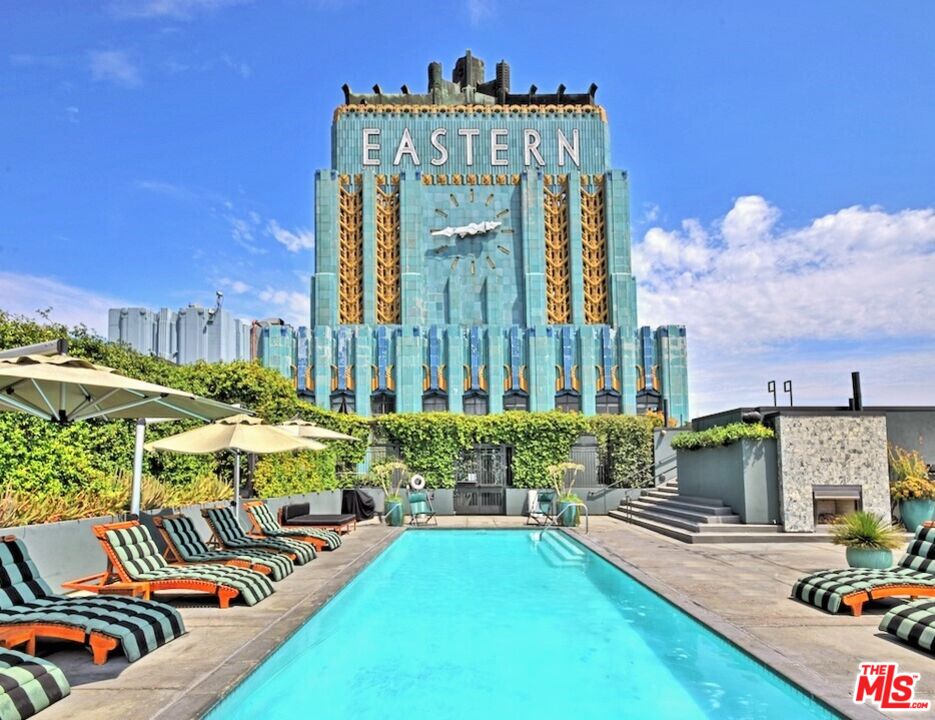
column 832, row 501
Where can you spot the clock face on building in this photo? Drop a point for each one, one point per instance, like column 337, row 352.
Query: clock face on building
column 472, row 225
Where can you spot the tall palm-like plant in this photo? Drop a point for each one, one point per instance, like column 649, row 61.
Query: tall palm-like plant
column 866, row 531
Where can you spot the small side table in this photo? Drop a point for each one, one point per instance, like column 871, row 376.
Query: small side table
column 14, row 636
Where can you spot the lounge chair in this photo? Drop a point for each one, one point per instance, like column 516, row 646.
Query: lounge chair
column 913, row 576
column 265, row 525
column 132, row 556
column 184, row 545
column 28, row 684
column 298, row 515
column 913, row 623
column 101, row 623
column 541, row 507
column 229, row 535
column 421, row 511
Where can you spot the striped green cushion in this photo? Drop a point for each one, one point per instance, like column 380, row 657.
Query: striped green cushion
column 920, row 555
column 913, row 623
column 191, row 548
column 231, row 535
column 271, row 527
column 139, row 625
column 136, row 550
column 19, row 579
column 28, row 685
column 826, row 589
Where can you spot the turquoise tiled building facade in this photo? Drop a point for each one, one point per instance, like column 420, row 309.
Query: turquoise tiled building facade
column 473, row 255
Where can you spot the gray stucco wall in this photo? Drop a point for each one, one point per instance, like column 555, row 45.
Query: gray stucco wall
column 830, row 450
column 912, row 430
column 742, row 475
column 665, row 468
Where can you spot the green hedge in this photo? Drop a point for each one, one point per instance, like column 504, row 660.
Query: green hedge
column 432, row 443
column 720, row 436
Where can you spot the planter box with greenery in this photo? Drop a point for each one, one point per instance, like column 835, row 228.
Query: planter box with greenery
column 910, row 487
column 735, row 464
column 869, row 539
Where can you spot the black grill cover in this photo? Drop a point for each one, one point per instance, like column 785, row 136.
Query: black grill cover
column 358, row 503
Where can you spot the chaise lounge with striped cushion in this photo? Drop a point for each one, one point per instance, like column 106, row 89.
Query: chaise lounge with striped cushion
column 102, row 623
column 133, row 557
column 913, row 623
column 230, row 535
column 28, row 684
column 265, row 525
column 913, row 576
column 184, row 545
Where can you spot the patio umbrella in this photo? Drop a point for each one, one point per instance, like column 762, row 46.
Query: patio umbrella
column 298, row 427
column 240, row 433
column 65, row 389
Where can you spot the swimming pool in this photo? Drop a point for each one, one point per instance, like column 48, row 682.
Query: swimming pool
column 506, row 624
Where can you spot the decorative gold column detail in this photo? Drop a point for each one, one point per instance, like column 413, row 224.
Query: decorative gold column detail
column 351, row 252
column 594, row 253
column 557, row 270
column 388, row 271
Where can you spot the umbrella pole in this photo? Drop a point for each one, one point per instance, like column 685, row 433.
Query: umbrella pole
column 237, row 485
column 137, row 489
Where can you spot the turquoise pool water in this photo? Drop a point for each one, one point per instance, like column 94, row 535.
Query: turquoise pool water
column 456, row 624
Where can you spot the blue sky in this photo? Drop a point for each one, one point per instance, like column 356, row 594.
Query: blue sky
column 781, row 161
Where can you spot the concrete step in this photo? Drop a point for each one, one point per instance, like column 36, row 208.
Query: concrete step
column 696, row 517
column 558, row 550
column 732, row 534
column 664, row 519
column 692, row 514
column 678, row 504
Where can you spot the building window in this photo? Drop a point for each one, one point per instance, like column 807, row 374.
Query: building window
column 475, row 404
column 568, row 402
column 343, row 402
column 382, row 404
column 608, row 403
column 435, row 402
column 648, row 400
column 516, row 401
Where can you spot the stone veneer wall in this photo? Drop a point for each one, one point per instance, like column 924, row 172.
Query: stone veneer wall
column 830, row 450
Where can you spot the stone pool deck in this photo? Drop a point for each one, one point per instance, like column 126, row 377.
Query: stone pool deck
column 740, row 590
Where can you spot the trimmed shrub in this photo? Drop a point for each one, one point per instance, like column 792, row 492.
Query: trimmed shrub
column 721, row 435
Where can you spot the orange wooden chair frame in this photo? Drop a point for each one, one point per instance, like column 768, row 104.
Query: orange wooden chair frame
column 257, row 531
column 171, row 553
column 340, row 528
column 116, row 569
column 100, row 644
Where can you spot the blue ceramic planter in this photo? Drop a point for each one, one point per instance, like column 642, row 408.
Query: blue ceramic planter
column 873, row 559
column 393, row 514
column 916, row 512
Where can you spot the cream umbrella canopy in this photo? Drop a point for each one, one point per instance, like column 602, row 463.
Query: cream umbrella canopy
column 298, row 427
column 65, row 389
column 240, row 433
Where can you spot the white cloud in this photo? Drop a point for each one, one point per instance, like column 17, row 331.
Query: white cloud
column 479, row 10
column 293, row 306
column 169, row 9
column 765, row 302
column 114, row 66
column 301, row 239
column 23, row 294
column 71, row 114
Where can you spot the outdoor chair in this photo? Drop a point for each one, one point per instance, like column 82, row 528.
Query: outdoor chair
column 421, row 511
column 28, row 684
column 229, row 535
column 184, row 545
column 913, row 576
column 265, row 525
column 101, row 623
column 298, row 515
column 133, row 558
column 913, row 623
column 541, row 507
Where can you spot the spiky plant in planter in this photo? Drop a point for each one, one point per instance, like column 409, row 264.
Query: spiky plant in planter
column 563, row 493
column 869, row 539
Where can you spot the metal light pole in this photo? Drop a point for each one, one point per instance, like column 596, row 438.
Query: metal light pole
column 787, row 387
column 771, row 388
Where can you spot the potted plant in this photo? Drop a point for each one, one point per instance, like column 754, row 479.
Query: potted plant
column 566, row 501
column 384, row 474
column 910, row 487
column 869, row 539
